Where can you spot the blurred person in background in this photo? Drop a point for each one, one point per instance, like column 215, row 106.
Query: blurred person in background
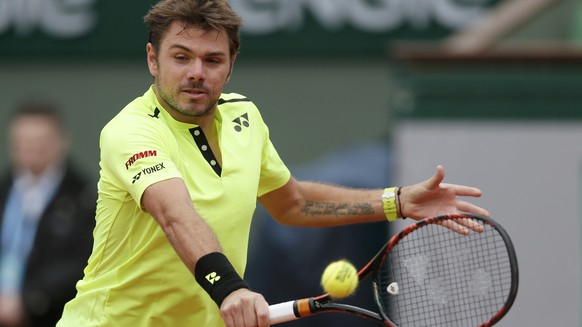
column 47, row 210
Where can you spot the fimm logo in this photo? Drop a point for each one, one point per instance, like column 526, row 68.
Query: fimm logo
column 140, row 155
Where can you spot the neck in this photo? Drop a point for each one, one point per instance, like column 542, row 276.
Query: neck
column 206, row 122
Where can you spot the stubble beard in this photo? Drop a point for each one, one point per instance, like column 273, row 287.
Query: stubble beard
column 191, row 109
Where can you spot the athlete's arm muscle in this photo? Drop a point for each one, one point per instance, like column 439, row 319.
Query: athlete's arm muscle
column 169, row 203
column 318, row 205
column 313, row 204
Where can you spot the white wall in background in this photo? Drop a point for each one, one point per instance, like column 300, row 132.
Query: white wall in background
column 529, row 173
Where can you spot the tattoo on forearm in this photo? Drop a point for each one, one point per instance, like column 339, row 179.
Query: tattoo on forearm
column 312, row 208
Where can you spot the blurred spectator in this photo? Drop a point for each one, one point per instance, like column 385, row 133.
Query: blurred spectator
column 47, row 211
column 286, row 263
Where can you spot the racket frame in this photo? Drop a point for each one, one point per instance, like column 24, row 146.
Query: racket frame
column 306, row 307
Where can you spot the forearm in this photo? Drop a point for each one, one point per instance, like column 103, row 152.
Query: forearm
column 319, row 205
column 191, row 239
column 200, row 251
column 170, row 204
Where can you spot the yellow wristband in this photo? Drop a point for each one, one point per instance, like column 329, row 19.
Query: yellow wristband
column 389, row 203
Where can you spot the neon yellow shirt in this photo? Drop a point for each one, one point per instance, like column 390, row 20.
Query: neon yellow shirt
column 134, row 277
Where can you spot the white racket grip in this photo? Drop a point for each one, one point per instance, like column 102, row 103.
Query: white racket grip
column 282, row 312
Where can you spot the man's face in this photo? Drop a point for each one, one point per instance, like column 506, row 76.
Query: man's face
column 190, row 69
column 36, row 143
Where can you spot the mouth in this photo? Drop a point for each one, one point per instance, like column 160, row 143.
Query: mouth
column 195, row 92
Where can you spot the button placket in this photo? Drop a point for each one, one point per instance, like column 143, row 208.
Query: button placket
column 204, row 147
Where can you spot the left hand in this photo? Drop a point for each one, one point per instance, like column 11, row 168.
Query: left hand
column 433, row 198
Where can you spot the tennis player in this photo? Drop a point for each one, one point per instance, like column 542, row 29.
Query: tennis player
column 182, row 167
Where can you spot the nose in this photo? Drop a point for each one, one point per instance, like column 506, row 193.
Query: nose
column 196, row 70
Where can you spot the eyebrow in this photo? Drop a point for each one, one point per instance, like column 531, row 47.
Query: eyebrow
column 214, row 53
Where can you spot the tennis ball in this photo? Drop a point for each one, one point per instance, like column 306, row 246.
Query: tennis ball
column 340, row 279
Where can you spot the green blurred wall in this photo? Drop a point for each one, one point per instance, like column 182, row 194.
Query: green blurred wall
column 311, row 106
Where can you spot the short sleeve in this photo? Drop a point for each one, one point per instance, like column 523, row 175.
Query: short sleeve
column 134, row 159
column 274, row 173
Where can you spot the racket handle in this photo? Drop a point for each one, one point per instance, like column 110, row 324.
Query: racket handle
column 282, row 312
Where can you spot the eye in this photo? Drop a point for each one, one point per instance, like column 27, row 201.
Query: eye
column 181, row 58
column 213, row 60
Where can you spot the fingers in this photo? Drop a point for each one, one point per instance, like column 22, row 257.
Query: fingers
column 454, row 226
column 470, row 207
column 256, row 314
column 435, row 181
column 462, row 225
column 462, row 190
column 470, row 224
column 243, row 308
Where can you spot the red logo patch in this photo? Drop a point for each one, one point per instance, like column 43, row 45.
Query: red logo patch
column 140, row 155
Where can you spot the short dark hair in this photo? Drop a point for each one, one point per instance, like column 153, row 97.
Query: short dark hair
column 39, row 107
column 206, row 14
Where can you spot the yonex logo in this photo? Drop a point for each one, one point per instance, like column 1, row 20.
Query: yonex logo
column 148, row 171
column 136, row 178
column 212, row 277
column 242, row 121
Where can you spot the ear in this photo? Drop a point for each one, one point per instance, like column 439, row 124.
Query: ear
column 152, row 59
column 231, row 67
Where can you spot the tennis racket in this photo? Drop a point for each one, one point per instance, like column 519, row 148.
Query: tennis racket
column 453, row 270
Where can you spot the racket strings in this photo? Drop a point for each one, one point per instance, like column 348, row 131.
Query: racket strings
column 445, row 279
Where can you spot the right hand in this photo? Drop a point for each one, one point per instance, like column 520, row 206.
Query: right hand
column 433, row 197
column 244, row 308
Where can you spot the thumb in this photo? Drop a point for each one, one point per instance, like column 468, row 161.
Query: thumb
column 436, row 179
